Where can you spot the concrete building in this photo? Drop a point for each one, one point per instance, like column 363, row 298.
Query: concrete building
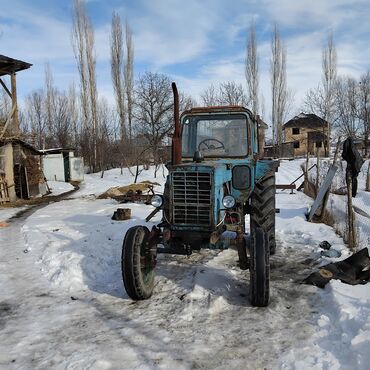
column 60, row 164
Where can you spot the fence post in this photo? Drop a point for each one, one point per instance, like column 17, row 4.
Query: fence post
column 351, row 215
column 317, row 171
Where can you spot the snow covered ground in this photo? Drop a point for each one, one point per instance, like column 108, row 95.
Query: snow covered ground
column 7, row 213
column 337, row 204
column 59, row 187
column 63, row 305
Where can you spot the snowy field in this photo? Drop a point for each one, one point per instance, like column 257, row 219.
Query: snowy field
column 63, row 305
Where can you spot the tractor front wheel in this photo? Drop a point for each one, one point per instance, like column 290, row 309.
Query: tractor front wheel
column 137, row 263
column 263, row 209
column 259, row 268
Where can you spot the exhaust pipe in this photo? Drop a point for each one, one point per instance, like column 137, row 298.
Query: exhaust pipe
column 176, row 138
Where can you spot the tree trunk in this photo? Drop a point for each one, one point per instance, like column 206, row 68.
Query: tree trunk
column 137, row 173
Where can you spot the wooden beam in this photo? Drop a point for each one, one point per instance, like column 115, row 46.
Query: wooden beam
column 285, row 186
column 4, row 71
column 14, row 103
column 324, row 187
column 5, row 87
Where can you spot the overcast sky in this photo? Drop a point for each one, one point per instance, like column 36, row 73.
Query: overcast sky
column 195, row 42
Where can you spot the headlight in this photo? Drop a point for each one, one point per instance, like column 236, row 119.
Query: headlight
column 228, row 201
column 156, row 201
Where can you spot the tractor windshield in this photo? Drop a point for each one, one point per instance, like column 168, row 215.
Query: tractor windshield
column 215, row 136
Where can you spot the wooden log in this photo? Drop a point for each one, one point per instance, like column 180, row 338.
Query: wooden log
column 122, row 214
column 286, row 186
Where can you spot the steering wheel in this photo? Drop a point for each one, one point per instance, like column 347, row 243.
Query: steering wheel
column 211, row 146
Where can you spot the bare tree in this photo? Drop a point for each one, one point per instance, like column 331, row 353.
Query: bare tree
column 74, row 115
column 117, row 70
column 105, row 137
column 129, row 76
column 227, row 93
column 186, row 102
column 314, row 101
column 346, row 105
column 329, row 75
column 279, row 91
column 49, row 103
column 79, row 47
column 251, row 68
column 61, row 118
column 322, row 99
column 83, row 46
column 209, row 96
column 153, row 113
column 5, row 105
column 364, row 107
column 50, row 117
column 231, row 93
column 56, row 112
column 36, row 116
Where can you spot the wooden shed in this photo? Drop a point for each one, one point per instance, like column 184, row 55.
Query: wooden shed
column 21, row 175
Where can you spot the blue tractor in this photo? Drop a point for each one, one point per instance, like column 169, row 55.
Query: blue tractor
column 214, row 179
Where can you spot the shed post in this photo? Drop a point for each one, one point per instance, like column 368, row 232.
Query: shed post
column 9, row 171
column 14, row 103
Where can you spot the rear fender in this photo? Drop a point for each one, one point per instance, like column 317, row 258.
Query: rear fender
column 265, row 166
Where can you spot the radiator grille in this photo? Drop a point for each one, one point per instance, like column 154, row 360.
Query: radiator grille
column 191, row 198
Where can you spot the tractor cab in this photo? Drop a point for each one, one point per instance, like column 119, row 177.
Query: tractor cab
column 216, row 133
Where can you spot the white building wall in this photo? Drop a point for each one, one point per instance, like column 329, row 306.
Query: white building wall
column 53, row 167
column 76, row 165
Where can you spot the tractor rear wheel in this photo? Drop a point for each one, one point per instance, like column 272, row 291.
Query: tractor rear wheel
column 137, row 263
column 259, row 268
column 263, row 209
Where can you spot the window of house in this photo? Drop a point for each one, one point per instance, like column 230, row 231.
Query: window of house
column 295, row 130
column 318, row 144
column 296, row 144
